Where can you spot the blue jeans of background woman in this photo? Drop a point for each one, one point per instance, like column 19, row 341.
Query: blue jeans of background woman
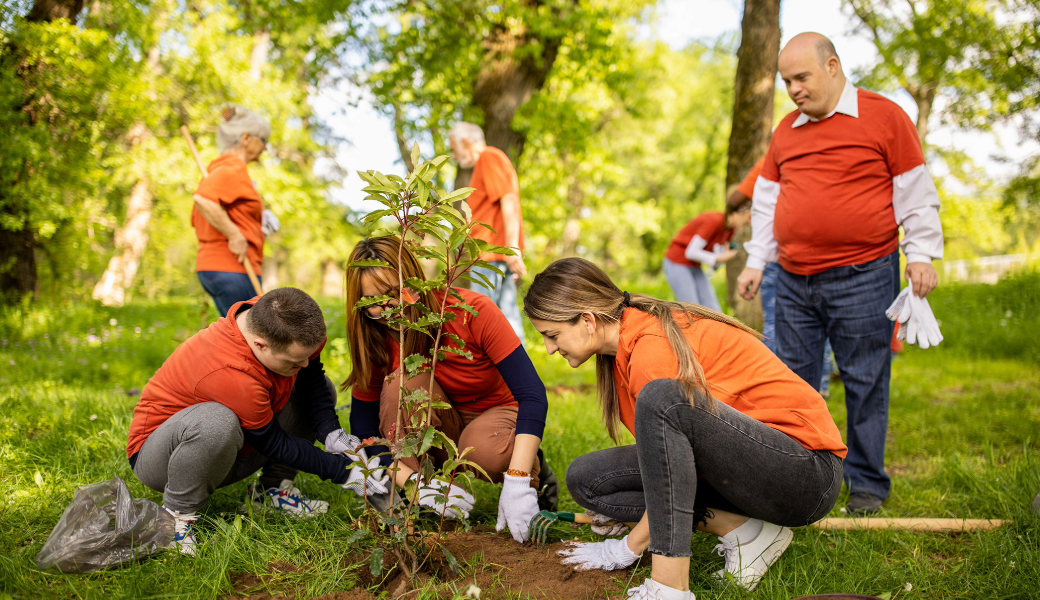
column 227, row 288
column 690, row 284
column 746, row 467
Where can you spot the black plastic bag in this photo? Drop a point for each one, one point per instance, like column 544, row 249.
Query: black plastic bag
column 103, row 527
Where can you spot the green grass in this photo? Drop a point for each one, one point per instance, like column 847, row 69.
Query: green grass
column 964, row 426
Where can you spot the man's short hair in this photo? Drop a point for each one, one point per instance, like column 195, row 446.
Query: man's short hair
column 825, row 49
column 287, row 315
column 467, row 131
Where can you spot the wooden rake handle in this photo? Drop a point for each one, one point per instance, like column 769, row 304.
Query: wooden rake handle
column 936, row 525
column 202, row 167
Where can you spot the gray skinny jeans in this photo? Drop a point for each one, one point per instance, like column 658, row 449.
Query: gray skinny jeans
column 196, row 451
column 746, row 467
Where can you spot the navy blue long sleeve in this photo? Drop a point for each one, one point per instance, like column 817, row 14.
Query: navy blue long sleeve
column 364, row 423
column 316, row 400
column 274, row 443
column 527, row 388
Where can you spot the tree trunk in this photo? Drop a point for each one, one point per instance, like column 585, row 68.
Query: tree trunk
column 18, row 275
column 924, row 97
column 506, row 82
column 752, row 123
column 258, row 55
column 131, row 242
column 402, row 141
column 45, row 11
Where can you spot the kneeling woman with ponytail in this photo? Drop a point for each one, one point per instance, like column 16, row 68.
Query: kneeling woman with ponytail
column 498, row 402
column 728, row 440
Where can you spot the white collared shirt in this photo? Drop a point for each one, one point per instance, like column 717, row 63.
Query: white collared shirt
column 915, row 202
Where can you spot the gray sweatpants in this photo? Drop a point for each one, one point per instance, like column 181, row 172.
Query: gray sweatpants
column 691, row 284
column 196, row 451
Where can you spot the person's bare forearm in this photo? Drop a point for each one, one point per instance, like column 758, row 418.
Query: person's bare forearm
column 217, row 217
column 525, row 449
column 510, row 204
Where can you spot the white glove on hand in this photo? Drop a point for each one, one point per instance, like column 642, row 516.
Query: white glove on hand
column 341, row 442
column 458, row 504
column 376, row 482
column 605, row 526
column 608, row 555
column 517, row 504
column 269, row 223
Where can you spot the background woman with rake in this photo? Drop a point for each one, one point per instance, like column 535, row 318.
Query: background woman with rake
column 228, row 216
column 728, row 440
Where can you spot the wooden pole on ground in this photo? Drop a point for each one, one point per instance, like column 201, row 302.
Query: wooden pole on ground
column 202, row 167
column 936, row 525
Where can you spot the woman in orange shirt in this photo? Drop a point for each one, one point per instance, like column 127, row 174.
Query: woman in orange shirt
column 228, row 216
column 498, row 402
column 728, row 439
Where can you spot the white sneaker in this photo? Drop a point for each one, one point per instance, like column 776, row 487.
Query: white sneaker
column 651, row 590
column 286, row 497
column 749, row 561
column 184, row 534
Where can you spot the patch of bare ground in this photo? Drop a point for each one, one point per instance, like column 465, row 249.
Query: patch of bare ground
column 493, row 562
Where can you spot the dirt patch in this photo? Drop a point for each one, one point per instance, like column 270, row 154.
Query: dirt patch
column 502, row 569
column 493, row 562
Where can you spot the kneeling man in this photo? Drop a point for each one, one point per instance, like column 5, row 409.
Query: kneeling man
column 247, row 393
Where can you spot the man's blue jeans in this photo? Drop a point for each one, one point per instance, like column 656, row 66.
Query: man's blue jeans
column 846, row 305
column 503, row 294
column 227, row 288
column 768, row 291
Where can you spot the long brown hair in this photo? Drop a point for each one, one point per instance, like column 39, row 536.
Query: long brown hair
column 366, row 338
column 572, row 286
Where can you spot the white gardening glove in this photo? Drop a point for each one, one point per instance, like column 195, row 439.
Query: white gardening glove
column 269, row 223
column 608, row 555
column 341, row 442
column 924, row 329
column 899, row 311
column 431, row 495
column 376, row 482
column 605, row 526
column 517, row 504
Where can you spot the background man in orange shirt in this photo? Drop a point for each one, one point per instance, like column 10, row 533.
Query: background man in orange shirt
column 496, row 202
column 842, row 174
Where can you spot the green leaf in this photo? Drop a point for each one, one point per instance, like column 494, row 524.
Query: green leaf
column 353, row 538
column 427, row 441
column 238, row 522
column 375, row 562
column 453, row 564
column 415, row 153
column 458, row 194
column 374, row 300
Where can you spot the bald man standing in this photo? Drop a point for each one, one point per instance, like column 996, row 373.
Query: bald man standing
column 842, row 174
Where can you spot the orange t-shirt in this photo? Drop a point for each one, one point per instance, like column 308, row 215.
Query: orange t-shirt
column 710, row 226
column 493, row 177
column 471, row 385
column 229, row 186
column 747, row 185
column 214, row 365
column 741, row 372
column 835, row 176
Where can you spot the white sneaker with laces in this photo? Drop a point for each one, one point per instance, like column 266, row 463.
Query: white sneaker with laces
column 748, row 561
column 184, row 534
column 287, row 498
column 651, row 590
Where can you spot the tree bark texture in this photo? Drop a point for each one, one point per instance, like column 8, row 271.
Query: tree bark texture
column 506, row 82
column 18, row 274
column 752, row 123
column 131, row 242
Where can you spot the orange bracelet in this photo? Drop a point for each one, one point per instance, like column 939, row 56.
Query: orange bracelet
column 517, row 473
